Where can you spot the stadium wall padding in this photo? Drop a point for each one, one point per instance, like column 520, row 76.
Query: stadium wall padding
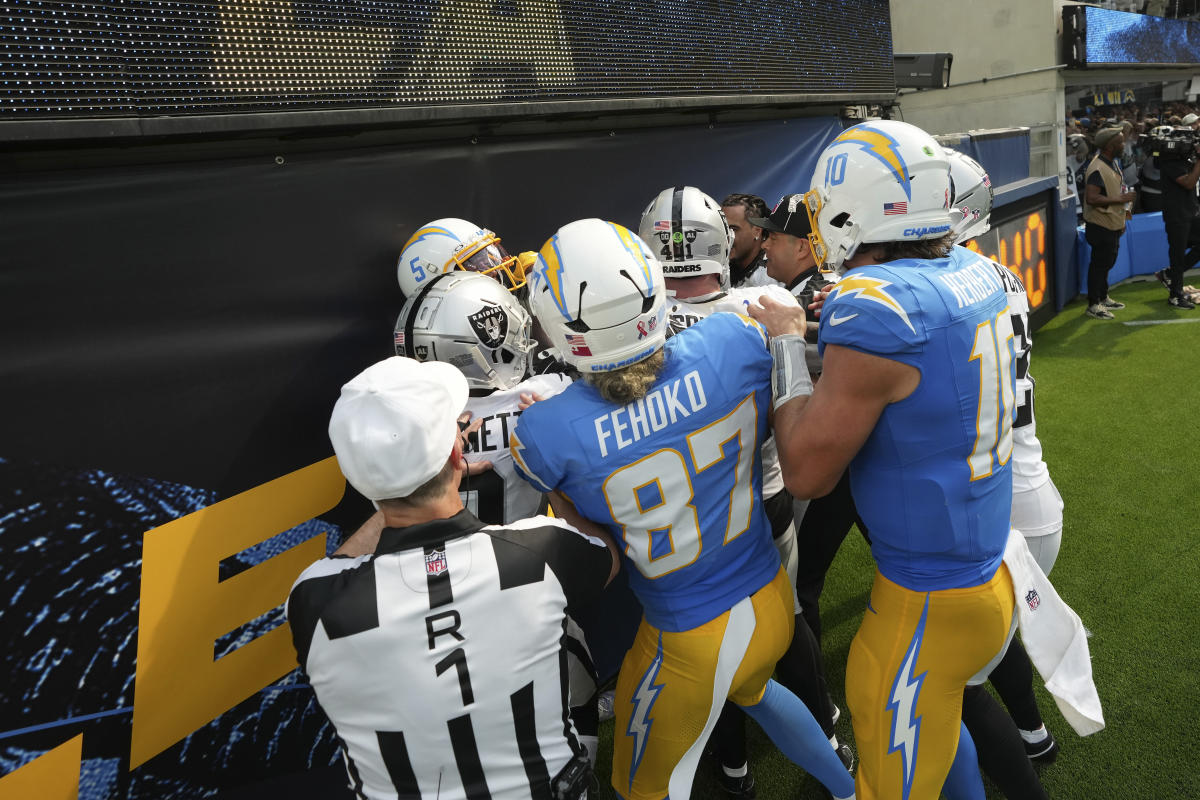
column 172, row 339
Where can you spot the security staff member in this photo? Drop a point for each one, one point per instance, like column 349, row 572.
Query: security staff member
column 435, row 645
column 1104, row 218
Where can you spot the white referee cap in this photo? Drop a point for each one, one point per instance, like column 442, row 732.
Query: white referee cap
column 395, row 424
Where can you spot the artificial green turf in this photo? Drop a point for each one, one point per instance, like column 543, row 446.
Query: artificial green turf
column 1115, row 407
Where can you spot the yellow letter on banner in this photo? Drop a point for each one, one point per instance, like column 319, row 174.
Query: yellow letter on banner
column 51, row 776
column 184, row 609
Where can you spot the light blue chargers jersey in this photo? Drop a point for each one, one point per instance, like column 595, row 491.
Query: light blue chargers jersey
column 933, row 481
column 676, row 475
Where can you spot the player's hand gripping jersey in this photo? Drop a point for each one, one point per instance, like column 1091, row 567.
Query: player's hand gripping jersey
column 939, row 516
column 499, row 496
column 676, row 475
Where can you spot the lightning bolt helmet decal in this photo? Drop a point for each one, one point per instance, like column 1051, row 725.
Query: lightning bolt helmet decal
column 883, row 148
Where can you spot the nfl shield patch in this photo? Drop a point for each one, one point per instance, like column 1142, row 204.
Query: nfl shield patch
column 435, row 563
column 1032, row 599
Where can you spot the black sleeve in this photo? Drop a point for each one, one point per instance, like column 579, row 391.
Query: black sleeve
column 581, row 566
column 1096, row 179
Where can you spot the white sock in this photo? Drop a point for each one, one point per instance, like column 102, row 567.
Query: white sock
column 736, row 772
column 1033, row 737
column 851, row 797
column 833, row 741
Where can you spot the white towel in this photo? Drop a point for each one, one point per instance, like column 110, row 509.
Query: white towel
column 1055, row 639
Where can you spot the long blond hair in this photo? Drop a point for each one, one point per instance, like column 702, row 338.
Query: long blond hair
column 623, row 386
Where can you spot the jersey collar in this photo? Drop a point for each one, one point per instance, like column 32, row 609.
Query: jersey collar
column 393, row 540
column 803, row 276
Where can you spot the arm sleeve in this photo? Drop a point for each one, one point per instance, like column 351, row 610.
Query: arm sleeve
column 1094, row 178
column 581, row 564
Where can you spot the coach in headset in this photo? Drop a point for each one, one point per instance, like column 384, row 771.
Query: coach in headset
column 407, row 634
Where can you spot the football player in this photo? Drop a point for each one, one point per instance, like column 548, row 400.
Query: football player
column 917, row 396
column 1036, row 513
column 451, row 244
column 660, row 443
column 689, row 232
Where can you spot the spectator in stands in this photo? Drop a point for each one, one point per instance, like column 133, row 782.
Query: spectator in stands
column 1130, row 156
column 1190, row 121
column 1150, row 186
column 1077, row 159
column 747, row 256
column 1104, row 202
column 1155, row 8
column 1180, row 218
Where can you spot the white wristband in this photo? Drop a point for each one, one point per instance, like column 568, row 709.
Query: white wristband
column 790, row 377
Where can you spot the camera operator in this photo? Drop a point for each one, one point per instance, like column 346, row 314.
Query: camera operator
column 1181, row 215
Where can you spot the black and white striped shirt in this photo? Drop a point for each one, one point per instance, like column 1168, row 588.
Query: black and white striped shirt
column 440, row 659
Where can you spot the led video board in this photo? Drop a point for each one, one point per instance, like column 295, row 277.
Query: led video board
column 65, row 59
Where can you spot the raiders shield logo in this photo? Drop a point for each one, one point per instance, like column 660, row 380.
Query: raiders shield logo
column 490, row 324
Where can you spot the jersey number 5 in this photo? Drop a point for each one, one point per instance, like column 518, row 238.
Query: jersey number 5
column 994, row 418
column 651, row 499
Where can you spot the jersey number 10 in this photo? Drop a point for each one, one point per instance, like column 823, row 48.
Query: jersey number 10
column 997, row 389
column 651, row 499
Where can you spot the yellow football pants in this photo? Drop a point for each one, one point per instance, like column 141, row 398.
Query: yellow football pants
column 672, row 686
column 908, row 664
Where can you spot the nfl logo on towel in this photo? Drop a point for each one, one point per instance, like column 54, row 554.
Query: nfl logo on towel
column 1032, row 599
column 435, row 563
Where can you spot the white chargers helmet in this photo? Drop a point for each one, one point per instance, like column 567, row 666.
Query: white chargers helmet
column 970, row 196
column 471, row 322
column 449, row 244
column 879, row 181
column 598, row 292
column 687, row 230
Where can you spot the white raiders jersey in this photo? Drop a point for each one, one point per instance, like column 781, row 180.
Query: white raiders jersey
column 758, row 279
column 500, row 496
column 1029, row 470
column 682, row 315
column 440, row 659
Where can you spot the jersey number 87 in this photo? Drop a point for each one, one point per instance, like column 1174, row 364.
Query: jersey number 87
column 652, row 498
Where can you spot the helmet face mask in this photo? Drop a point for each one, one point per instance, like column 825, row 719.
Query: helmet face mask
column 488, row 257
column 972, row 196
column 470, row 321
column 451, row 244
column 688, row 233
column 598, row 292
column 876, row 182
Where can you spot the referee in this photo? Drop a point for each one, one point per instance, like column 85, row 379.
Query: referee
column 435, row 646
